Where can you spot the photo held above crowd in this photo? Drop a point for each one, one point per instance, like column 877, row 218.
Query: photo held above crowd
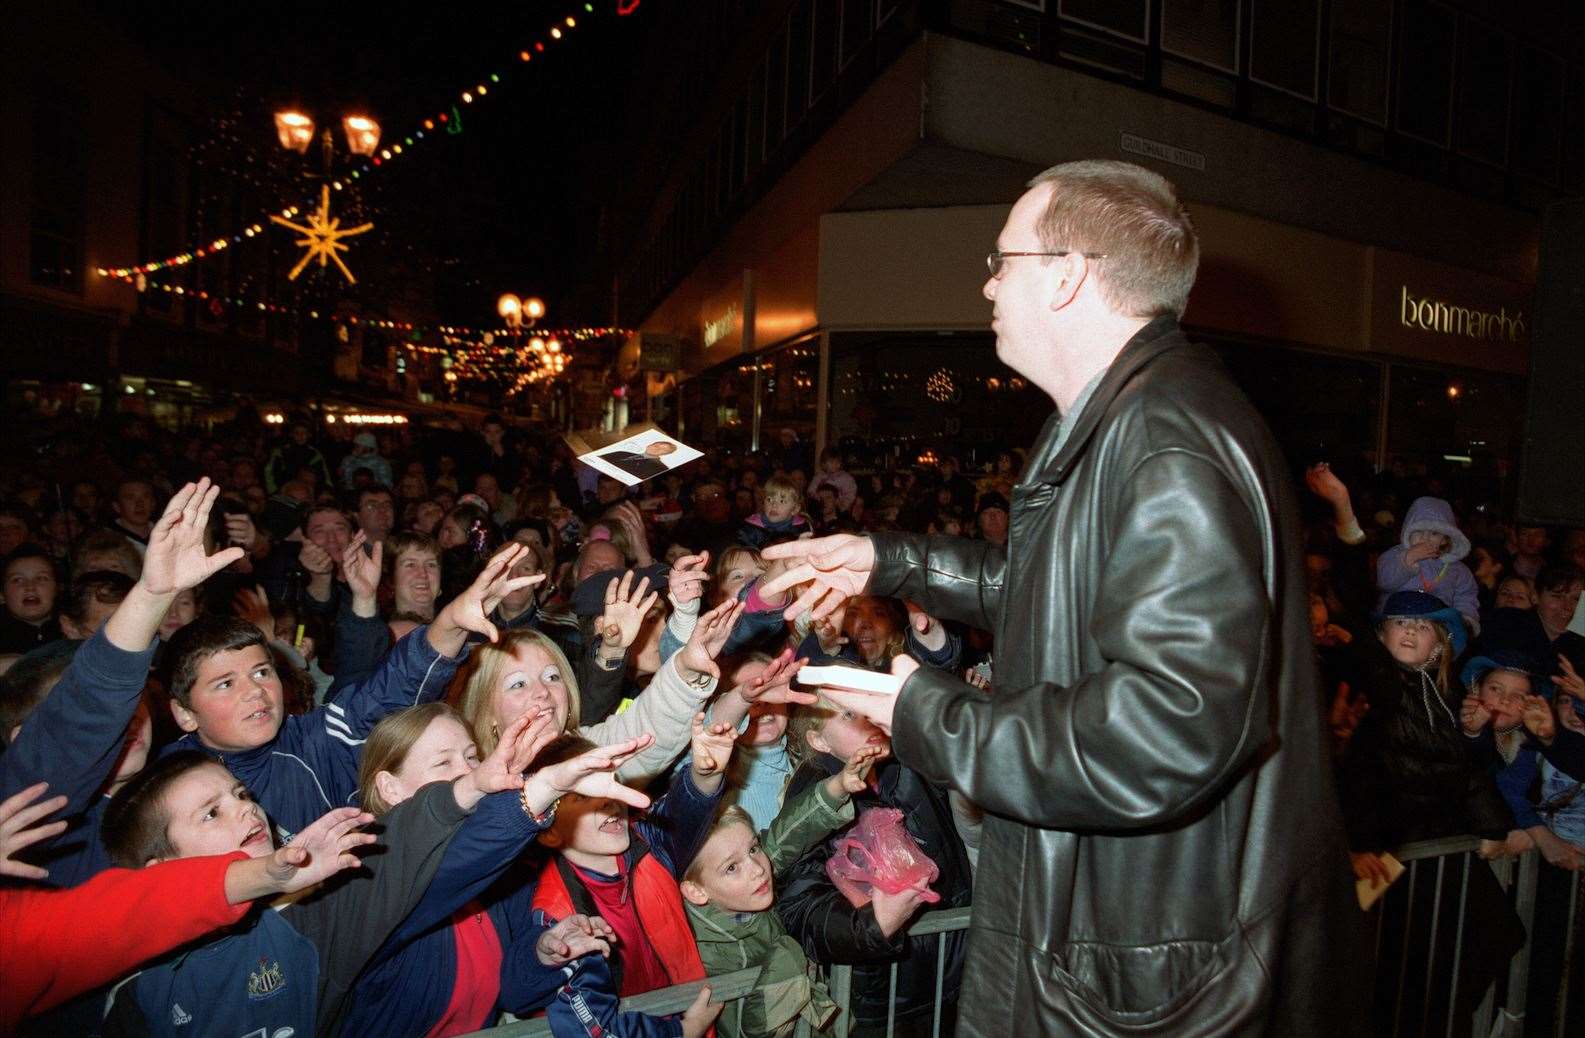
column 314, row 729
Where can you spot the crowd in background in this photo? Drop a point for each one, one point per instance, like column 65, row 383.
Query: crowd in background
column 346, row 624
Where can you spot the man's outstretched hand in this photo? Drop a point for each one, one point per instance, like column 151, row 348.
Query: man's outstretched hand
column 840, row 567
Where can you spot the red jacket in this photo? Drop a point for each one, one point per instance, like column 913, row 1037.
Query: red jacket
column 659, row 905
column 56, row 944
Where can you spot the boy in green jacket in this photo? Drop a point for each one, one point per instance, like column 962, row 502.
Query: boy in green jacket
column 729, row 891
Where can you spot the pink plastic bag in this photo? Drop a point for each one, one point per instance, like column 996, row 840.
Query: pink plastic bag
column 879, row 852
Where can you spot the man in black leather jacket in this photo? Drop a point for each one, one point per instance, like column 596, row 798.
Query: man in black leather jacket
column 1162, row 851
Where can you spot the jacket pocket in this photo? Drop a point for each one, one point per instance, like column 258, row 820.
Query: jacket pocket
column 1136, row 984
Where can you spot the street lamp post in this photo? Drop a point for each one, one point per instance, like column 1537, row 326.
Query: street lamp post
column 295, row 130
column 520, row 314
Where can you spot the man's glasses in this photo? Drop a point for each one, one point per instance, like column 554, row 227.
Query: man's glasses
column 996, row 261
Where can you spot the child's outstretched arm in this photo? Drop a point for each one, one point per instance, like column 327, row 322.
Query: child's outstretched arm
column 75, row 736
column 417, row 669
column 665, row 709
column 81, row 938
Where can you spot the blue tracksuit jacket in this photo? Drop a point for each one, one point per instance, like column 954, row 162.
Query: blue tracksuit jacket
column 311, row 765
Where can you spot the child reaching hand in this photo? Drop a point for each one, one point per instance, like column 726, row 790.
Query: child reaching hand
column 730, row 890
column 1429, row 558
column 626, row 870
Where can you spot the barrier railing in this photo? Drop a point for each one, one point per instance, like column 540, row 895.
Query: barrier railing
column 1500, row 1013
column 731, row 987
column 1420, row 944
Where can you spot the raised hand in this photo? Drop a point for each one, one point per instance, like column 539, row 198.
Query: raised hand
column 1568, row 679
column 856, row 771
column 1324, row 484
column 928, row 629
column 240, row 530
column 470, row 611
column 774, row 684
column 503, row 769
column 828, row 631
column 1538, row 720
column 708, row 639
column 253, row 605
column 176, row 559
column 18, row 813
column 631, row 520
column 573, row 938
column 1473, row 715
column 591, row 774
column 840, row 567
column 625, row 609
column 685, row 583
column 316, row 560
column 320, row 850
column 362, row 569
column 712, row 747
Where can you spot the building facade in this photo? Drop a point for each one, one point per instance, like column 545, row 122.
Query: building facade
column 1366, row 179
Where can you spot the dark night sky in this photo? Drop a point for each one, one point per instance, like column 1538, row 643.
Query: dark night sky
column 514, row 199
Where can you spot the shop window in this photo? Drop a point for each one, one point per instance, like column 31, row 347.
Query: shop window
column 757, row 135
column 1574, row 126
column 895, row 396
column 1319, row 406
column 57, row 190
column 1537, row 116
column 1485, row 61
column 1460, row 429
column 827, row 39
column 858, row 25
column 775, row 94
column 1123, row 17
column 800, row 24
column 1361, row 39
column 1425, row 70
column 1283, row 45
column 1203, row 30
column 790, row 391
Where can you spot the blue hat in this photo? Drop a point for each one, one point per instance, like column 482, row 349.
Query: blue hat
column 1478, row 667
column 1417, row 605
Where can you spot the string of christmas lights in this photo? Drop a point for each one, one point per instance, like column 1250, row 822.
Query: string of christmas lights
column 462, row 337
column 447, row 119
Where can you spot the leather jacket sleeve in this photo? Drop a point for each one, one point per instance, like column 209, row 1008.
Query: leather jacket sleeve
column 951, row 578
column 1182, row 618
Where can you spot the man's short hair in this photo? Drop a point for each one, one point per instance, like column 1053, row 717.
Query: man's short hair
column 101, row 586
column 27, row 551
column 1558, row 577
column 199, row 640
column 363, row 492
column 1131, row 216
column 27, row 684
column 92, row 549
column 136, row 826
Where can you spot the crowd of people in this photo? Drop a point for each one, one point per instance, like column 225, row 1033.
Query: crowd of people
column 569, row 712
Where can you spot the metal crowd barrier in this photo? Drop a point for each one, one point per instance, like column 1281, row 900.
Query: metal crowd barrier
column 1501, row 1012
column 730, row 987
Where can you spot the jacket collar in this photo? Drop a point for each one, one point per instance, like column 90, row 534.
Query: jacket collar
column 1150, row 342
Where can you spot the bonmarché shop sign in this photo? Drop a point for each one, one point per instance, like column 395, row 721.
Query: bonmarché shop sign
column 1437, row 315
column 1448, row 315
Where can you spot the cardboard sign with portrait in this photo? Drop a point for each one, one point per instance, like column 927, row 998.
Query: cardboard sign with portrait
column 637, row 453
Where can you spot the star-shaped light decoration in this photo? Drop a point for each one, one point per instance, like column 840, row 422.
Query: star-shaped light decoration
column 322, row 237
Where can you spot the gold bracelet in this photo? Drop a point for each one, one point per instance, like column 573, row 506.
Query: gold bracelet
column 540, row 819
